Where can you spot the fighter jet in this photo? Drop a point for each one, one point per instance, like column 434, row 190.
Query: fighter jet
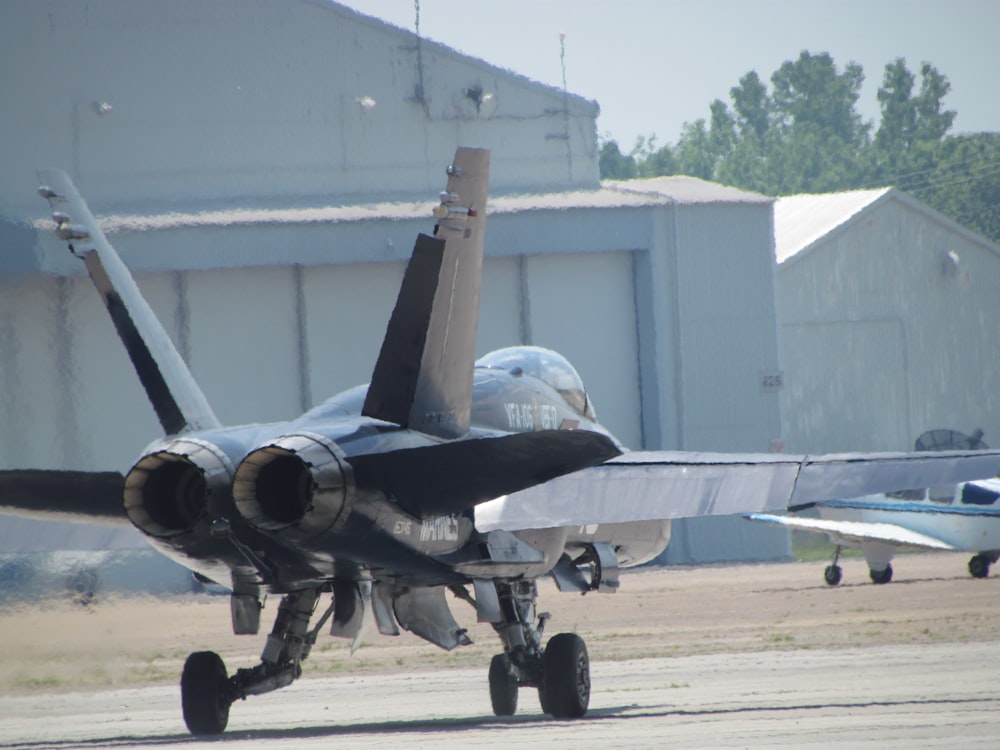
column 442, row 475
column 964, row 518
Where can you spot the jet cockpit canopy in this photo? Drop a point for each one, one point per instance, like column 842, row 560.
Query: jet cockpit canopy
column 548, row 366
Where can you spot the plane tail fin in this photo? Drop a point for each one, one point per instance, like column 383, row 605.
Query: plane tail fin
column 423, row 377
column 176, row 398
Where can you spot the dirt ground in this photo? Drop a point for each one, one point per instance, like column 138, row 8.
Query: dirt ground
column 660, row 612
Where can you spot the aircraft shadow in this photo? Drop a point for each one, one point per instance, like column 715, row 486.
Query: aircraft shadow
column 632, row 712
column 402, row 728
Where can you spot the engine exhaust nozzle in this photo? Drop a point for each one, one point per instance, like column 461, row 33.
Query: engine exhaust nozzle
column 296, row 485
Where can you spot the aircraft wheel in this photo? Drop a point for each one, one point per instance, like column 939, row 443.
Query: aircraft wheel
column 503, row 687
column 979, row 566
column 205, row 697
column 542, row 700
column 883, row 576
column 566, row 677
column 832, row 575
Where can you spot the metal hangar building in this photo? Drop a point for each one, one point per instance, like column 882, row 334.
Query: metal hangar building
column 264, row 166
column 888, row 313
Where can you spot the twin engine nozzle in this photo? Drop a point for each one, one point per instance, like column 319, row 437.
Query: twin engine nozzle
column 294, row 486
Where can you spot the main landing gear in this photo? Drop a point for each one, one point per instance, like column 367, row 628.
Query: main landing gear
column 979, row 565
column 207, row 692
column 833, row 572
column 560, row 671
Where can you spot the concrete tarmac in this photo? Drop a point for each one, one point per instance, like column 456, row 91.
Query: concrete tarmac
column 895, row 696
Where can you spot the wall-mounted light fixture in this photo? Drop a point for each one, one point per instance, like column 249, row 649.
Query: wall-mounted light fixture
column 486, row 101
column 949, row 266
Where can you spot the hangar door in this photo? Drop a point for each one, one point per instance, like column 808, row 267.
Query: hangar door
column 846, row 387
column 583, row 305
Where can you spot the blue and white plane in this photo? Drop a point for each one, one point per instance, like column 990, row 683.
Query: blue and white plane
column 963, row 518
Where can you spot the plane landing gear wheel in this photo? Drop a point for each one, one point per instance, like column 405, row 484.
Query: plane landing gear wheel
column 205, row 695
column 979, row 566
column 832, row 575
column 566, row 681
column 881, row 576
column 503, row 687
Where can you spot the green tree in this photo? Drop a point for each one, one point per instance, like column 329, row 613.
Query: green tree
column 899, row 116
column 907, row 119
column 693, row 154
column 817, row 139
column 753, row 107
column 933, row 122
column 964, row 182
column 810, row 92
column 806, row 136
column 615, row 165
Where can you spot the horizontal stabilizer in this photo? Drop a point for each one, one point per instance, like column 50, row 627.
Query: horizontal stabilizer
column 857, row 531
column 452, row 477
column 78, row 496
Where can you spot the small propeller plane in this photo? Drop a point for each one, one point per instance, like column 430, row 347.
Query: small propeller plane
column 963, row 518
column 443, row 474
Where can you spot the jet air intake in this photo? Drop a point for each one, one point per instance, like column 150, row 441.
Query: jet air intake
column 296, row 486
column 169, row 490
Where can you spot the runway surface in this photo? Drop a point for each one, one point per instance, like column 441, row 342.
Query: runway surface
column 886, row 697
column 742, row 656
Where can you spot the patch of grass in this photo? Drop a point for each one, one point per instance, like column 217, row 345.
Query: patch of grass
column 37, row 682
column 779, row 638
column 810, row 547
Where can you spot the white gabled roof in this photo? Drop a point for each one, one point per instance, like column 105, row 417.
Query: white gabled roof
column 801, row 220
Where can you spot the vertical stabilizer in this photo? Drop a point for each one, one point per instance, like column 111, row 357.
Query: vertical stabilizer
column 423, row 377
column 178, row 401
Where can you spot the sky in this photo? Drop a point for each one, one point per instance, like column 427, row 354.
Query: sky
column 653, row 65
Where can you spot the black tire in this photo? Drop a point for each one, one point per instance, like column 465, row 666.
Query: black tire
column 883, row 576
column 832, row 575
column 566, row 677
column 205, row 695
column 503, row 687
column 979, row 566
column 541, row 700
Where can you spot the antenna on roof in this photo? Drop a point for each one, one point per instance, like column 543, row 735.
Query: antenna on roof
column 418, row 94
column 569, row 148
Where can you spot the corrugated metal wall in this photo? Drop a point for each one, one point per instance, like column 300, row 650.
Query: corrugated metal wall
column 884, row 337
column 147, row 101
column 724, row 315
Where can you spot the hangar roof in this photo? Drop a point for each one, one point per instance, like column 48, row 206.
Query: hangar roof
column 686, row 190
column 801, row 221
column 508, row 204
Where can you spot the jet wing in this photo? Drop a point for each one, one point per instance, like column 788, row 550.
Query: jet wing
column 78, row 496
column 857, row 532
column 644, row 486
